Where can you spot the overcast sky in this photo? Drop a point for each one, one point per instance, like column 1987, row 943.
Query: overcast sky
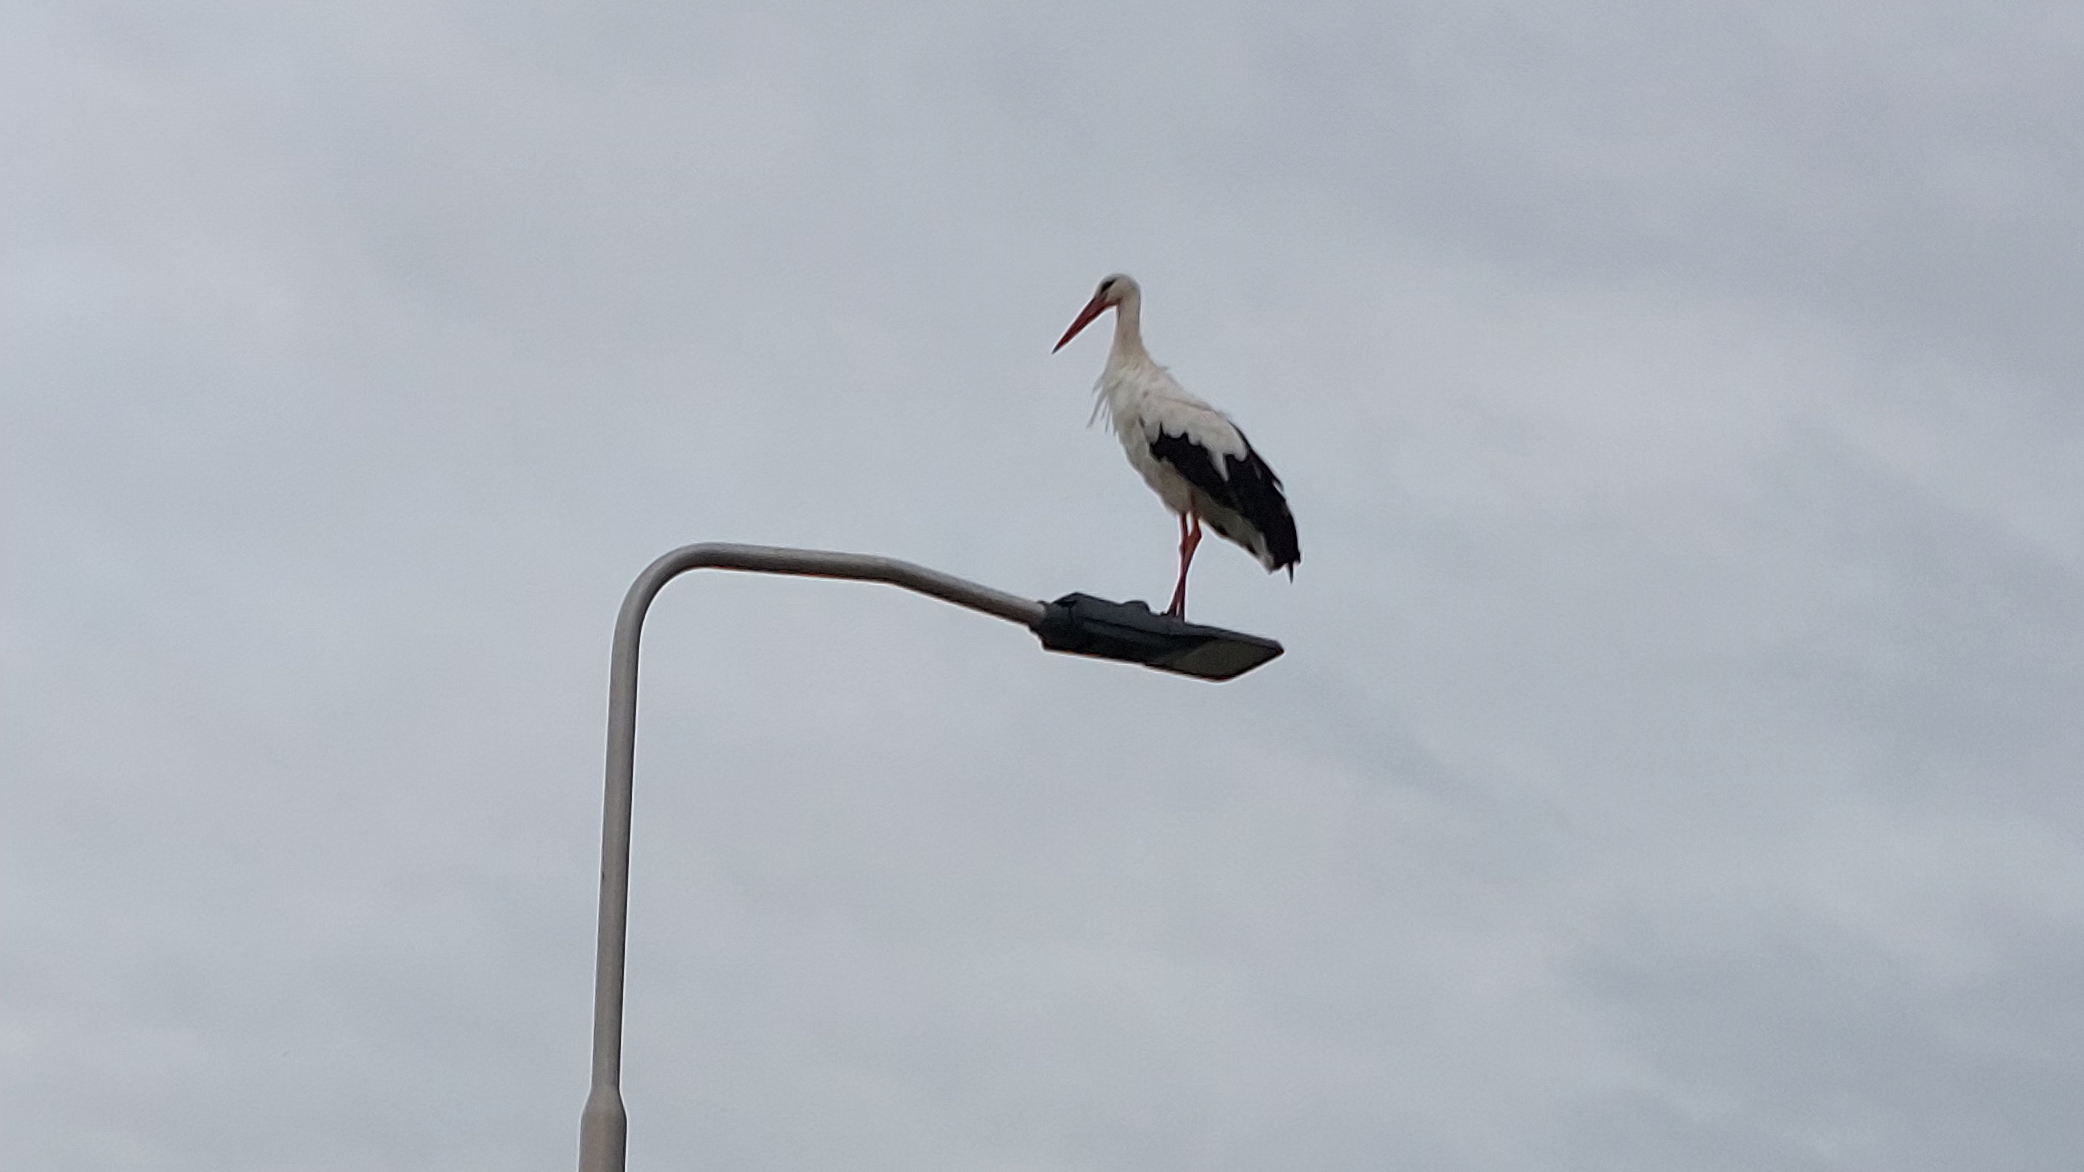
column 1677, row 762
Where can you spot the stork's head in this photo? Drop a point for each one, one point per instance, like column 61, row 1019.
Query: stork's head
column 1113, row 291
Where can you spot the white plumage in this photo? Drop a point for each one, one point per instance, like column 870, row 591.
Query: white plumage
column 1191, row 454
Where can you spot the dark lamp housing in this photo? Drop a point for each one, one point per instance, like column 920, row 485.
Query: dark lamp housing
column 1079, row 624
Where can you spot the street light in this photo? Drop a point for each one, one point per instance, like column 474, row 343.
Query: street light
column 1077, row 624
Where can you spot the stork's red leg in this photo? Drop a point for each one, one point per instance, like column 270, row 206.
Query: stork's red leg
column 1179, row 592
column 1189, row 540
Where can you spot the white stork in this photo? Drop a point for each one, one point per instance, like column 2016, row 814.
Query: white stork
column 1191, row 455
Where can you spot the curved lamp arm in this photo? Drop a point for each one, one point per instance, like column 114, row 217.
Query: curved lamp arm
column 1076, row 623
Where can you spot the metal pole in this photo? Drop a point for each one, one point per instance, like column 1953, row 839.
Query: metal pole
column 604, row 1126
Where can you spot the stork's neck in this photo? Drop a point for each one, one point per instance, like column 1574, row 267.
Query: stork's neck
column 1128, row 331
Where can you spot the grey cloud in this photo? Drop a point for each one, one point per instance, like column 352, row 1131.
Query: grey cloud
column 1674, row 760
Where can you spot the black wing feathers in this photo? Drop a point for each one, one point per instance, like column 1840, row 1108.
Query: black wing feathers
column 1250, row 489
column 1197, row 464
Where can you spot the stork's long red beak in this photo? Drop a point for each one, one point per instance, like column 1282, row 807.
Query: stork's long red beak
column 1093, row 309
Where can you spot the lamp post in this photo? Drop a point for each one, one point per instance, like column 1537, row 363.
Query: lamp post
column 1076, row 623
